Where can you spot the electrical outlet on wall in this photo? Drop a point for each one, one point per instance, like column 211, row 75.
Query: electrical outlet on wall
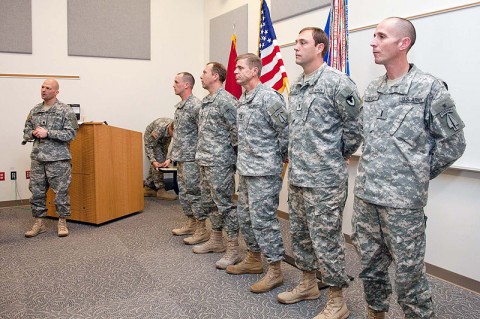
column 2, row 176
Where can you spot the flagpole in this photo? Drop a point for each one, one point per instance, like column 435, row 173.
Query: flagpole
column 259, row 26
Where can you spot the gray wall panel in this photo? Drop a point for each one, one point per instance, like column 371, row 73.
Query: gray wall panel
column 284, row 9
column 221, row 31
column 16, row 26
column 109, row 28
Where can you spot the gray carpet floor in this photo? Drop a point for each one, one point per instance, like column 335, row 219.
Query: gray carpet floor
column 134, row 268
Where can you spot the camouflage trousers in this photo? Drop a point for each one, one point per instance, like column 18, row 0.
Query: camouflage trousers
column 382, row 235
column 316, row 228
column 218, row 187
column 258, row 198
column 188, row 174
column 154, row 179
column 57, row 175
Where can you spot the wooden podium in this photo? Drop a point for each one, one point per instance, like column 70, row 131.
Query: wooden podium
column 107, row 174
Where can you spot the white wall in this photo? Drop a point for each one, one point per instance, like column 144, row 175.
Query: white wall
column 131, row 93
column 453, row 223
column 125, row 93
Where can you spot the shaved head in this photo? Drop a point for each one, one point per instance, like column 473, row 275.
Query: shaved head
column 53, row 83
column 49, row 91
column 405, row 29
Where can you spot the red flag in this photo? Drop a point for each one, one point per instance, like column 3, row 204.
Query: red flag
column 230, row 82
column 273, row 69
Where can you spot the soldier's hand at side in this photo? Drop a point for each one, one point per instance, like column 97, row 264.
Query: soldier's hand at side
column 166, row 163
column 156, row 165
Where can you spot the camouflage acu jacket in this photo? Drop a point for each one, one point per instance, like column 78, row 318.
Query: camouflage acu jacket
column 61, row 123
column 262, row 132
column 157, row 140
column 217, row 130
column 185, row 134
column 412, row 133
column 324, row 128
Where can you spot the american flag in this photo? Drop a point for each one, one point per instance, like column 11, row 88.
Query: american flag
column 273, row 69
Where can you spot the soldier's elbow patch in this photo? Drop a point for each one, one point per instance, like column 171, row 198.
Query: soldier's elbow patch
column 278, row 113
column 350, row 101
column 445, row 115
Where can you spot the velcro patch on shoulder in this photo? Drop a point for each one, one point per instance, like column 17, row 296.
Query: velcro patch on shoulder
column 350, row 101
column 446, row 113
column 278, row 113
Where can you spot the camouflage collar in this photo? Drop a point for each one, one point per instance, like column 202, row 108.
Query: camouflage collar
column 210, row 98
column 247, row 98
column 299, row 83
column 401, row 87
column 181, row 104
column 53, row 108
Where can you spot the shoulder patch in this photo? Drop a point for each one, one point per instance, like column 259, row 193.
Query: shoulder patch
column 277, row 113
column 446, row 113
column 349, row 101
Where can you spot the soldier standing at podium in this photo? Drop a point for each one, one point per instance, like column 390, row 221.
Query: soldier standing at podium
column 157, row 137
column 51, row 125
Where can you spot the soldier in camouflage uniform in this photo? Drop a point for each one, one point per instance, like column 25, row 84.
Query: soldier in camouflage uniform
column 262, row 147
column 51, row 125
column 412, row 133
column 324, row 132
column 216, row 155
column 157, row 137
column 185, row 137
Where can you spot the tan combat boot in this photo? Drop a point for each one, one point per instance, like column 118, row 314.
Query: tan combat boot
column 336, row 307
column 37, row 228
column 213, row 245
column 163, row 194
column 307, row 289
column 187, row 229
column 149, row 192
column 372, row 314
column 232, row 256
column 251, row 264
column 272, row 279
column 200, row 235
column 62, row 227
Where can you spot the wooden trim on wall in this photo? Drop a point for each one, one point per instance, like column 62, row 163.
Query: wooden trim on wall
column 56, row 76
column 418, row 16
column 423, row 15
